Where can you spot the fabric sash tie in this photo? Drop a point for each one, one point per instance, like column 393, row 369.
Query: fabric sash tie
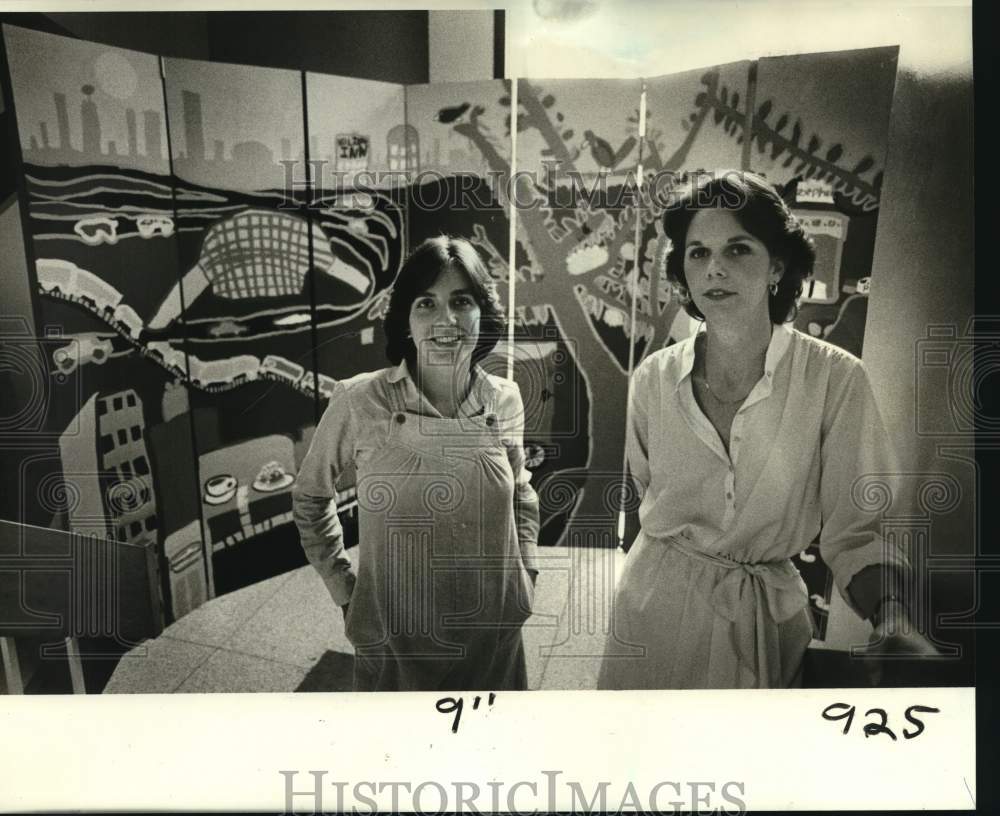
column 755, row 597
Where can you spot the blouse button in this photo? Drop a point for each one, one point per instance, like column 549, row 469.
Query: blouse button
column 729, row 496
column 491, row 420
column 400, row 418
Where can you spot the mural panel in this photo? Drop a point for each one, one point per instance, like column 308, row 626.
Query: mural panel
column 578, row 149
column 359, row 130
column 92, row 128
column 463, row 133
column 249, row 252
column 362, row 148
column 820, row 131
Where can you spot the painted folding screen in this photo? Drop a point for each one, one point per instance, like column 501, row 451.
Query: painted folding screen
column 103, row 241
column 225, row 319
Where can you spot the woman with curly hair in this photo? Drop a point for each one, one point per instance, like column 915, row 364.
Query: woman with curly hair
column 448, row 520
column 746, row 440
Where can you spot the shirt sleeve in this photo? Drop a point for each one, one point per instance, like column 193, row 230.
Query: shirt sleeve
column 637, row 429
column 314, row 507
column 525, row 498
column 855, row 446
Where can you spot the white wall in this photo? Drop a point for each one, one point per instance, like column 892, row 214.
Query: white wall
column 461, row 45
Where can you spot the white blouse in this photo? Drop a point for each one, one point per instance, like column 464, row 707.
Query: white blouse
column 808, row 430
column 709, row 596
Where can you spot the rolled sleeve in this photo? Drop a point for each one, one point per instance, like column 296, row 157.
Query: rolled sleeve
column 314, row 508
column 637, row 428
column 511, row 416
column 858, row 481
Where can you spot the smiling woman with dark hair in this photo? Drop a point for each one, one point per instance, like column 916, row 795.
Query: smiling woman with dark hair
column 448, row 520
column 423, row 268
column 747, row 440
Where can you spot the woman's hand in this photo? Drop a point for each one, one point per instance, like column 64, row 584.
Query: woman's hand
column 894, row 643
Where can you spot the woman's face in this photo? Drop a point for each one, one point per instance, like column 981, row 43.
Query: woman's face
column 727, row 269
column 444, row 319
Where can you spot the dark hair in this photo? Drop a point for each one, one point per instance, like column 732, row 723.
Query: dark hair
column 419, row 272
column 763, row 213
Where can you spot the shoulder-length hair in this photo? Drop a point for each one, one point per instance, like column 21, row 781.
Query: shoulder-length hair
column 419, row 272
column 763, row 213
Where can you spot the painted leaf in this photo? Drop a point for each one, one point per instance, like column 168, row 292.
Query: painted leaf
column 864, row 165
column 765, row 109
column 782, row 121
column 834, row 153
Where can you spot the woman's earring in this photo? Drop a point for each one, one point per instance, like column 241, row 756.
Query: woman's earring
column 773, row 287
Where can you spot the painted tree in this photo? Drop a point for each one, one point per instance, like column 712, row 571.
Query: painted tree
column 575, row 257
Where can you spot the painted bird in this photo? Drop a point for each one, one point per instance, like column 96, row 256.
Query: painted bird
column 602, row 152
column 448, row 115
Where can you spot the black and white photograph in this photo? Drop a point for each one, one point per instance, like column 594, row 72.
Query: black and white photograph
column 507, row 357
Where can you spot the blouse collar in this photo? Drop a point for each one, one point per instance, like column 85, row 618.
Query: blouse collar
column 781, row 337
column 480, row 395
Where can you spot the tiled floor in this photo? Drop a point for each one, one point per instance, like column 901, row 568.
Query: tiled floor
column 268, row 636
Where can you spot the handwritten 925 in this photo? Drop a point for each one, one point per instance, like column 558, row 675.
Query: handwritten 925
column 846, row 712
